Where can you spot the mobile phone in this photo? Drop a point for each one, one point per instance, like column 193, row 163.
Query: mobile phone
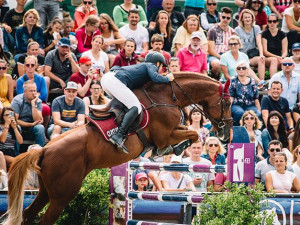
column 11, row 113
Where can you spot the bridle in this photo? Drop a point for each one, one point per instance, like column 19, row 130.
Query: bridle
column 221, row 124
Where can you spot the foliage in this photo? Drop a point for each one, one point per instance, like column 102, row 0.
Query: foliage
column 92, row 202
column 240, row 205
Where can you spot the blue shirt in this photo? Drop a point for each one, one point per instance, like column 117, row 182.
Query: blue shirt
column 40, row 82
column 136, row 76
column 290, row 89
column 22, row 38
column 220, row 160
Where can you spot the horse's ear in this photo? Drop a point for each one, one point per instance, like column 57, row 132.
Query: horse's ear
column 226, row 87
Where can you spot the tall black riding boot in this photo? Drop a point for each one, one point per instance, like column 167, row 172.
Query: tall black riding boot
column 118, row 137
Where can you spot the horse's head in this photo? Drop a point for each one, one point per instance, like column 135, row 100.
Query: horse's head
column 221, row 113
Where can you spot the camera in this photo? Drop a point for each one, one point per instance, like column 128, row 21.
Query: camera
column 12, row 114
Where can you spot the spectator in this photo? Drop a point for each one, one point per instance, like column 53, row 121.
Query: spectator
column 47, row 10
column 274, row 102
column 176, row 17
column 28, row 111
column 214, row 151
column 252, row 124
column 257, row 8
column 279, row 6
column 84, row 77
column 211, row 17
column 275, row 130
column 192, row 58
column 82, row 12
column 141, row 181
column 135, row 31
column 41, row 87
column 163, row 27
column 231, row 59
column 280, row 180
column 291, row 25
column 296, row 161
column 29, row 30
column 219, row 182
column 3, row 55
column 196, row 120
column 6, row 85
column 67, row 31
column 121, row 14
column 32, row 50
column 152, row 6
column 99, row 58
column 52, row 35
column 60, row 64
column 200, row 180
column 174, row 65
column 274, row 44
column 68, row 111
column 250, row 35
column 268, row 164
column 183, row 34
column 11, row 21
column 157, row 43
column 193, row 7
column 243, row 93
column 86, row 33
column 112, row 37
column 127, row 56
column 177, row 181
column 296, row 58
column 294, row 138
column 97, row 96
column 217, row 41
column 289, row 80
column 9, row 135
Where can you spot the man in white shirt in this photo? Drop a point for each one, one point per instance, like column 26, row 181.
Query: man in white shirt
column 135, row 31
column 200, row 180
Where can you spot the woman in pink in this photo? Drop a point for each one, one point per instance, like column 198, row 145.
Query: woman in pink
column 86, row 33
column 82, row 12
column 278, row 6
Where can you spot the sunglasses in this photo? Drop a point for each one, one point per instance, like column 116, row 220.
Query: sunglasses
column 29, row 65
column 226, row 17
column 287, row 64
column 249, row 118
column 213, row 145
column 3, row 68
column 256, row 2
column 233, row 44
column 87, row 3
column 296, row 1
column 214, row 4
column 272, row 21
column 275, row 149
column 241, row 68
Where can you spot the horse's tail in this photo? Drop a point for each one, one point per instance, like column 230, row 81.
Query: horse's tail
column 16, row 180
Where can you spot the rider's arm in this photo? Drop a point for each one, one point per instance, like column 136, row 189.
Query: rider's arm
column 155, row 76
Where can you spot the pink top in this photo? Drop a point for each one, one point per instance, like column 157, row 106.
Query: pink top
column 190, row 62
column 80, row 16
column 85, row 41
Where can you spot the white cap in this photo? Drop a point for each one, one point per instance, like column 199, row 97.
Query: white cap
column 176, row 158
column 196, row 34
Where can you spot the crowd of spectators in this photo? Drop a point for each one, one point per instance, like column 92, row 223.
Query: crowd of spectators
column 40, row 52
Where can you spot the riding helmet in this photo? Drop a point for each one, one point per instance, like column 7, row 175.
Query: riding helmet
column 154, row 57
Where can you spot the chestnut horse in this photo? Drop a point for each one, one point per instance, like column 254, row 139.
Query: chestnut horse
column 64, row 162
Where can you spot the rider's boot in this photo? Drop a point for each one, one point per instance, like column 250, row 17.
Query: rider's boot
column 119, row 136
column 180, row 147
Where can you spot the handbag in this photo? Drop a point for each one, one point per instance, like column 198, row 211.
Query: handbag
column 254, row 51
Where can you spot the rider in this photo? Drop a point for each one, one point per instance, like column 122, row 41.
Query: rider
column 120, row 81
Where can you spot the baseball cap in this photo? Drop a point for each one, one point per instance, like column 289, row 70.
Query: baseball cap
column 196, row 34
column 176, row 158
column 64, row 42
column 85, row 60
column 140, row 176
column 296, row 46
column 71, row 85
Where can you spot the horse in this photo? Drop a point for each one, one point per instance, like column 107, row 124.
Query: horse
column 65, row 161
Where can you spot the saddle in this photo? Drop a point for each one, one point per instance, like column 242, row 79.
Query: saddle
column 108, row 117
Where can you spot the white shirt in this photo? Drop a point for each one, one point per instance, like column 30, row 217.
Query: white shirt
column 296, row 169
column 140, row 35
column 97, row 64
column 290, row 12
column 174, row 183
column 282, row 182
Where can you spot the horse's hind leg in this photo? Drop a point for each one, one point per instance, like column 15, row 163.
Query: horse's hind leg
column 36, row 206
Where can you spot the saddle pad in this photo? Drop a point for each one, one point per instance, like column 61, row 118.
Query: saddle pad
column 109, row 126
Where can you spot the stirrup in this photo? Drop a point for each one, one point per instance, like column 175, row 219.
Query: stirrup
column 157, row 152
column 120, row 146
column 180, row 147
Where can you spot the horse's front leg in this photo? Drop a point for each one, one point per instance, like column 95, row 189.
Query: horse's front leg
column 180, row 135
